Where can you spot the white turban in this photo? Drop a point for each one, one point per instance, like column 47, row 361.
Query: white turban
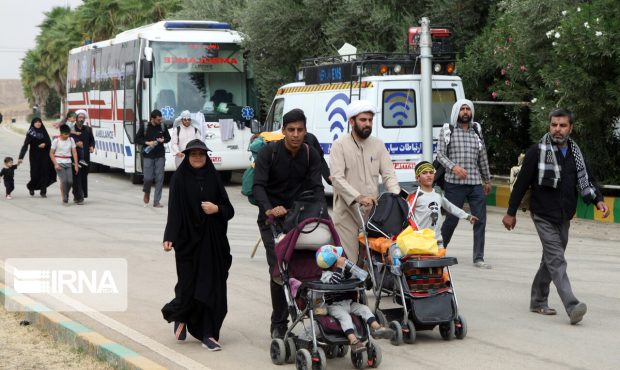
column 185, row 114
column 360, row 106
column 83, row 112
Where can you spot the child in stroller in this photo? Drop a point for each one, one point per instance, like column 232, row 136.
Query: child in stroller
column 339, row 305
column 321, row 336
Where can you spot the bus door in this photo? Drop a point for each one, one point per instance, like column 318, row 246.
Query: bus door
column 131, row 159
column 398, row 124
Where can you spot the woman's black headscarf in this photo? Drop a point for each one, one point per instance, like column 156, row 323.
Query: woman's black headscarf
column 38, row 133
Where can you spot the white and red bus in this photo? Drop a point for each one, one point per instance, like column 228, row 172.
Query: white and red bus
column 171, row 66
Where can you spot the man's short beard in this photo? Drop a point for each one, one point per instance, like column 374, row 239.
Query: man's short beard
column 562, row 141
column 360, row 133
column 460, row 119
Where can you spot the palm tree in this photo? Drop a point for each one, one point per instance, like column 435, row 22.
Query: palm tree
column 34, row 83
column 59, row 34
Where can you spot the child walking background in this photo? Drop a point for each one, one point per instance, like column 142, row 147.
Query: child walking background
column 426, row 203
column 61, row 153
column 340, row 305
column 7, row 174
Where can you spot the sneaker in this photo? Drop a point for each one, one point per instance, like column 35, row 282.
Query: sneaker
column 80, row 202
column 9, row 197
column 357, row 347
column 383, row 333
column 577, row 313
column 31, row 193
column 43, row 195
column 65, row 203
column 83, row 163
column 211, row 344
column 158, row 205
column 180, row 330
column 482, row 265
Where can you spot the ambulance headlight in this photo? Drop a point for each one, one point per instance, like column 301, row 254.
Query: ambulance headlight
column 300, row 75
column 437, row 68
column 398, row 68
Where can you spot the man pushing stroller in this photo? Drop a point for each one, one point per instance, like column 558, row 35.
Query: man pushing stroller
column 340, row 305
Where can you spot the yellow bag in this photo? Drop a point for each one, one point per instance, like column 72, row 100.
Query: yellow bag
column 417, row 242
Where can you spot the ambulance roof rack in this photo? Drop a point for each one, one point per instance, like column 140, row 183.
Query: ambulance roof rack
column 350, row 68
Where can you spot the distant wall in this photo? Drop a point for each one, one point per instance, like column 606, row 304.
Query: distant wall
column 12, row 101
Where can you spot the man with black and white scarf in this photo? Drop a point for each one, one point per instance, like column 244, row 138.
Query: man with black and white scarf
column 556, row 171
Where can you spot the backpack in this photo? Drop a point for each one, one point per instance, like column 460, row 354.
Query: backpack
column 440, row 170
column 388, row 217
column 247, row 181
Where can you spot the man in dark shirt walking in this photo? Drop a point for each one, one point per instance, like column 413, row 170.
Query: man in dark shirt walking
column 554, row 169
column 283, row 170
column 153, row 137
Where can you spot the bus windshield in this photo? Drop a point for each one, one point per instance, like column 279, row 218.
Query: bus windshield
column 199, row 77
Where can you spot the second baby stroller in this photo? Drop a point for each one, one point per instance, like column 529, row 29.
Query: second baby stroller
column 417, row 283
column 321, row 336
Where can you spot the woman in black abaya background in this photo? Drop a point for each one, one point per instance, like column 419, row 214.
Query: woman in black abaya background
column 42, row 173
column 198, row 214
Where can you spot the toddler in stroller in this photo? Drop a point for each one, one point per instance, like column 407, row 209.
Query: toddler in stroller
column 336, row 270
column 321, row 335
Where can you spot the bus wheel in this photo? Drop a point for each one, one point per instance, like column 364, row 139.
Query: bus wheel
column 136, row 178
column 225, row 175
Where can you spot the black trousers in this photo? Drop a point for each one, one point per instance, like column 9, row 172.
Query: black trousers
column 279, row 315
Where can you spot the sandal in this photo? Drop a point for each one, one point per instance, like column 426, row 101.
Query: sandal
column 180, row 331
column 544, row 310
column 357, row 347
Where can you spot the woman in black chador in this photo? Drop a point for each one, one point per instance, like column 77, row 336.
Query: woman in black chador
column 198, row 214
column 42, row 173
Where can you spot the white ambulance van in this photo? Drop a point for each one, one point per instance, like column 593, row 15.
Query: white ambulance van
column 390, row 81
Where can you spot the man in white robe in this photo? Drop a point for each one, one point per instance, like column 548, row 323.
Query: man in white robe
column 356, row 161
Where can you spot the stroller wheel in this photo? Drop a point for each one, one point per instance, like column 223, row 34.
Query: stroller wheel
column 303, row 360
column 322, row 363
column 397, row 339
column 460, row 327
column 359, row 359
column 381, row 317
column 277, row 351
column 446, row 330
column 409, row 335
column 342, row 350
column 374, row 355
column 290, row 350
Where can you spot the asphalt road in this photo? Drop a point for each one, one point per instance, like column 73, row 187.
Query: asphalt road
column 502, row 332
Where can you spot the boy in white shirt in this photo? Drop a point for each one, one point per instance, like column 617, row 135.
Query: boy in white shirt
column 428, row 203
column 63, row 150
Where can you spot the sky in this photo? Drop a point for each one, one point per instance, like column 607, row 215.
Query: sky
column 18, row 29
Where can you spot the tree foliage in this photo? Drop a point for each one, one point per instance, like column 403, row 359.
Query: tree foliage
column 550, row 54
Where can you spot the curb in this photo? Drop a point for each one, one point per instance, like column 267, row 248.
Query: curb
column 74, row 334
column 500, row 194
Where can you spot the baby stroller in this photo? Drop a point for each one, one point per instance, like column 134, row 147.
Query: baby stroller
column 417, row 283
column 321, row 336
